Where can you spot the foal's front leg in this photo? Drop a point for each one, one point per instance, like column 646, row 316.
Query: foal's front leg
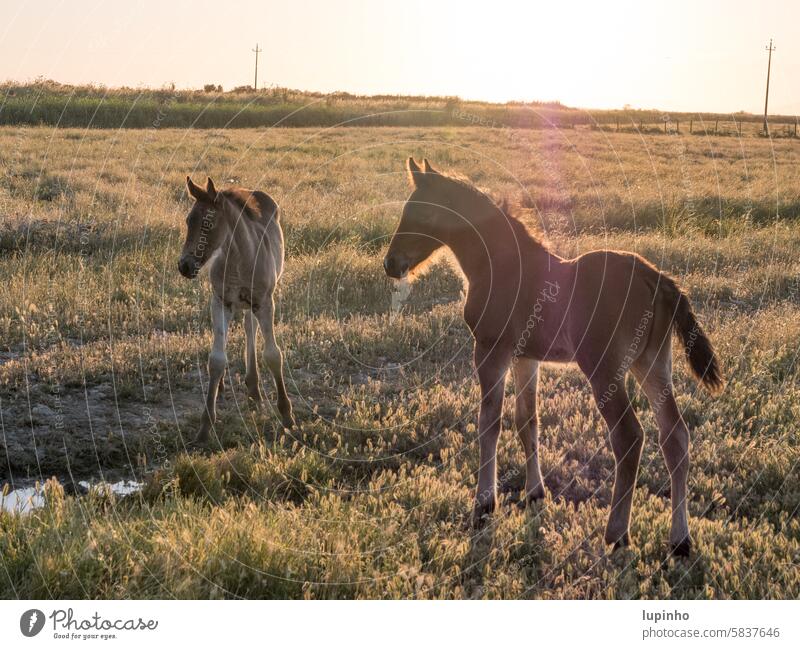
column 492, row 365
column 220, row 320
column 526, row 420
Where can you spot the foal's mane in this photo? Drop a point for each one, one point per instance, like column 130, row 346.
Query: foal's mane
column 496, row 210
column 245, row 201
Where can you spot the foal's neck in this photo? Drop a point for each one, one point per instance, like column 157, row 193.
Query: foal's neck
column 233, row 240
column 495, row 245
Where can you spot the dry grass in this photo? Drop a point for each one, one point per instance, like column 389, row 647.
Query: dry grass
column 370, row 497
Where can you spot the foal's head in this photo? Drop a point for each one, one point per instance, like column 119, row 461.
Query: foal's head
column 425, row 219
column 203, row 234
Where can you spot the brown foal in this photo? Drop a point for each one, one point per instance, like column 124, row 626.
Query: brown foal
column 610, row 312
column 237, row 233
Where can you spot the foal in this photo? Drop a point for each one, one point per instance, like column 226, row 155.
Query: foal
column 237, row 232
column 608, row 311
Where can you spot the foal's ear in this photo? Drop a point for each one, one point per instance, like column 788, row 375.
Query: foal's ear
column 415, row 174
column 427, row 167
column 195, row 191
column 211, row 190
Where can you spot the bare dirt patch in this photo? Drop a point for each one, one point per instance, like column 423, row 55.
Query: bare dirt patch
column 79, row 432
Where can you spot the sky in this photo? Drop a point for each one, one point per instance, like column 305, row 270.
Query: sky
column 679, row 55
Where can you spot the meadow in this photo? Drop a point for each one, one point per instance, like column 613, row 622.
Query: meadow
column 104, row 346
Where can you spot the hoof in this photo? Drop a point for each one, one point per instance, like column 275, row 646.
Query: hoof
column 288, row 422
column 534, row 497
column 681, row 549
column 481, row 515
column 197, row 445
column 202, row 439
column 623, row 542
column 253, row 391
column 479, row 521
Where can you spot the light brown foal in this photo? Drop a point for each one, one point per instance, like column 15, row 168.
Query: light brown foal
column 237, row 232
column 610, row 312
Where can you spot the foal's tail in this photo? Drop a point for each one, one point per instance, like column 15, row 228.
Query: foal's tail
column 699, row 350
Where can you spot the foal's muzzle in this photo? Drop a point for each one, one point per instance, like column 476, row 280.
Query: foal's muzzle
column 395, row 267
column 188, row 267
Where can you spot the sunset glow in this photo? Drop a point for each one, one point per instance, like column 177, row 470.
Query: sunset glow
column 675, row 57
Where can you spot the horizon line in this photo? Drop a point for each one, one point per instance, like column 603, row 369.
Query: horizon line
column 554, row 103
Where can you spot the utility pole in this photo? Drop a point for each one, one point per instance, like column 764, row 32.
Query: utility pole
column 770, row 49
column 255, row 80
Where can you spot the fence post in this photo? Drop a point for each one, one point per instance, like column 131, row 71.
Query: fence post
column 677, row 126
column 691, row 126
column 617, row 123
column 716, row 122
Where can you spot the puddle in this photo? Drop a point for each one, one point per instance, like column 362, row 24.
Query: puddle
column 26, row 499
column 21, row 501
column 121, row 488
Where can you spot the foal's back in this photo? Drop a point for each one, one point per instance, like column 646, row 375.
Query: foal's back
column 269, row 215
column 615, row 294
column 255, row 256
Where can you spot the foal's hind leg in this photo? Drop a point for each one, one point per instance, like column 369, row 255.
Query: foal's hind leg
column 655, row 377
column 526, row 420
column 274, row 360
column 627, row 440
column 220, row 320
column 251, row 363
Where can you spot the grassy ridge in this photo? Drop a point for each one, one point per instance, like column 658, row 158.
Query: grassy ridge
column 370, row 497
column 98, row 107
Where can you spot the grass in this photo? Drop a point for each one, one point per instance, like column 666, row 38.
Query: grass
column 104, row 348
column 47, row 102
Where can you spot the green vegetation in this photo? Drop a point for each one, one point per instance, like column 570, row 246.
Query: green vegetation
column 47, row 102
column 104, row 348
